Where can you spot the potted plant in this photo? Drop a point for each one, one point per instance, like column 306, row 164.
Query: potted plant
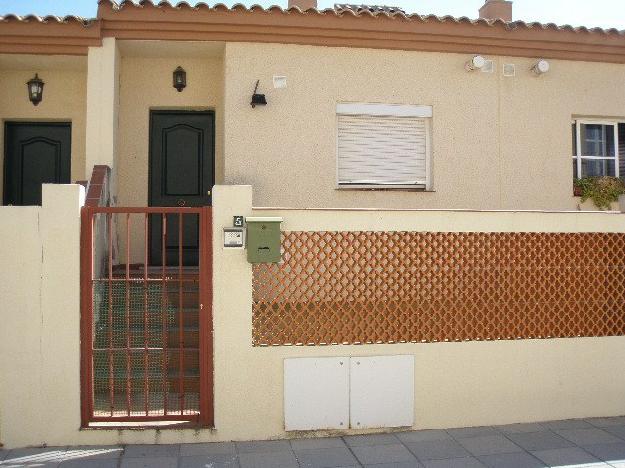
column 577, row 190
column 603, row 191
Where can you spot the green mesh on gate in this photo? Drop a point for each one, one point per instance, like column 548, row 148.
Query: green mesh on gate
column 144, row 363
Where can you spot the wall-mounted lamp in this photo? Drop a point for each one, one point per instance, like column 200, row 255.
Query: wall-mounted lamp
column 476, row 63
column 35, row 89
column 541, row 67
column 180, row 79
column 258, row 99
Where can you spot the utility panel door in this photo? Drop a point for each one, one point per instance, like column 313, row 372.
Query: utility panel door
column 36, row 153
column 382, row 391
column 316, row 393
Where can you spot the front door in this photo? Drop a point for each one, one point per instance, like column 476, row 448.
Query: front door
column 181, row 174
column 35, row 153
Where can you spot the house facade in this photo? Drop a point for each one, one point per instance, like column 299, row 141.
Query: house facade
column 496, row 137
column 302, row 221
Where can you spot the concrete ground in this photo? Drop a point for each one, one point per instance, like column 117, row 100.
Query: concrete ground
column 598, row 442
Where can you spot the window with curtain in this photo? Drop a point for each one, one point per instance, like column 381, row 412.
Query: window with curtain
column 596, row 148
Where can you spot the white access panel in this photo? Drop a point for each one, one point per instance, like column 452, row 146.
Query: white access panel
column 381, row 391
column 316, row 393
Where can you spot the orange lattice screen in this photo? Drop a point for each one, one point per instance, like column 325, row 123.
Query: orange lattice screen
column 388, row 287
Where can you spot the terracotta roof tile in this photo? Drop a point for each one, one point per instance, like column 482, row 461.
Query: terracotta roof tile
column 387, row 12
column 47, row 19
column 371, row 8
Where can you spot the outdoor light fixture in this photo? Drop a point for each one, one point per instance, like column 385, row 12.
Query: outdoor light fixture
column 180, row 79
column 541, row 67
column 35, row 89
column 476, row 63
column 258, row 99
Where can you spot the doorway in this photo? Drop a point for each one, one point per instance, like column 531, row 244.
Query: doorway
column 35, row 153
column 181, row 174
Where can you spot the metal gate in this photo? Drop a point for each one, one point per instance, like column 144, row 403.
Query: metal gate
column 146, row 324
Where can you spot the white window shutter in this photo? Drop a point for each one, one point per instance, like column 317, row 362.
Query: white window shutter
column 382, row 150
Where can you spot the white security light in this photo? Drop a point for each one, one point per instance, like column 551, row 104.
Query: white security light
column 476, row 63
column 541, row 67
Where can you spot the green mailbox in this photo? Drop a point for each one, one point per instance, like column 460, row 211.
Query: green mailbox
column 263, row 239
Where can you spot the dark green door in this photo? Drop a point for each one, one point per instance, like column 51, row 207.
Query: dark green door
column 181, row 174
column 35, row 153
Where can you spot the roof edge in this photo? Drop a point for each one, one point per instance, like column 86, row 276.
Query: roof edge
column 149, row 20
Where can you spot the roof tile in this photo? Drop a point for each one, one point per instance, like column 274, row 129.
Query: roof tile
column 339, row 10
column 47, row 19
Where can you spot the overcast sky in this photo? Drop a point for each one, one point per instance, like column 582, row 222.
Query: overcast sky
column 602, row 13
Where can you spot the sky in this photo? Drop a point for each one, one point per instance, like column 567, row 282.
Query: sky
column 591, row 13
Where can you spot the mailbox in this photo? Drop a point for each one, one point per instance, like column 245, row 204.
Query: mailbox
column 263, row 239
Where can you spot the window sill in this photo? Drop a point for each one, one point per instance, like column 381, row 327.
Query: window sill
column 384, row 189
column 143, row 426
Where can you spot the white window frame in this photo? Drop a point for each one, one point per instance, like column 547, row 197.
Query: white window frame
column 388, row 110
column 578, row 157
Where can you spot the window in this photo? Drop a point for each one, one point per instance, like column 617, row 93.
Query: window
column 596, row 148
column 383, row 146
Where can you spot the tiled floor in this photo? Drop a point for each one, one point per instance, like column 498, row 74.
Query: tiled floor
column 598, row 442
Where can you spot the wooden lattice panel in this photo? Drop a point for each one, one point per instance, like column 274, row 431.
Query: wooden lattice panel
column 389, row 287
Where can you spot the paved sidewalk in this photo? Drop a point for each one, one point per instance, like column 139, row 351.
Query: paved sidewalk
column 598, row 442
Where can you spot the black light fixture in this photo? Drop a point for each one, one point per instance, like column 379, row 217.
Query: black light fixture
column 180, row 79
column 258, row 99
column 35, row 89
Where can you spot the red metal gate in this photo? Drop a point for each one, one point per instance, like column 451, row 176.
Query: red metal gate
column 146, row 323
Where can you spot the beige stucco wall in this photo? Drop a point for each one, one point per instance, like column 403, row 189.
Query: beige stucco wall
column 40, row 315
column 64, row 100
column 20, row 283
column 102, row 108
column 498, row 142
column 456, row 384
column 145, row 84
column 446, row 220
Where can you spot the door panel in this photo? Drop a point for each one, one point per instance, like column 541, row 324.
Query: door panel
column 183, row 153
column 35, row 154
column 181, row 174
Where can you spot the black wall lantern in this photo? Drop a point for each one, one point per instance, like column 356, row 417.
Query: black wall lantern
column 180, row 79
column 35, row 89
column 258, row 99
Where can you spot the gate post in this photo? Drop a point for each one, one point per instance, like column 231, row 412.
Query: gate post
column 86, row 314
column 207, row 410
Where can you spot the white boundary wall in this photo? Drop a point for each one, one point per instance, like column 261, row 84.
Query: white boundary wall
column 39, row 316
column 456, row 384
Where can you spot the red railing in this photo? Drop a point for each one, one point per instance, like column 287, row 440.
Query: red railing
column 98, row 187
column 146, row 319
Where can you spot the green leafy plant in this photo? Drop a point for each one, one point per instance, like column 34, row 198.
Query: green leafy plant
column 603, row 191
